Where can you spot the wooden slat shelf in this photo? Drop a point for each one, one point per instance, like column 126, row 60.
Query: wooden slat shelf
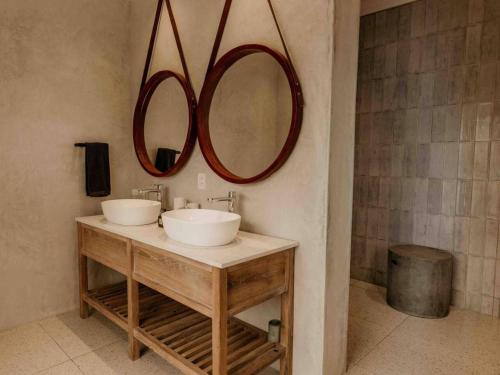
column 181, row 334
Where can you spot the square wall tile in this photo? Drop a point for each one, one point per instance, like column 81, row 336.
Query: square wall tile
column 456, row 85
column 421, row 190
column 495, row 122
column 373, row 186
column 404, row 25
column 489, row 41
column 425, row 125
column 413, row 90
column 479, row 198
column 437, row 158
column 372, row 222
column 439, row 123
column 409, row 160
column 384, row 191
column 474, row 302
column 459, row 272
column 487, row 305
column 466, row 160
column 426, row 89
column 481, row 152
column 471, row 83
column 407, row 194
column 415, row 57
column 474, row 274
column 493, row 199
column 432, row 230
column 497, row 280
column 484, row 117
column 429, row 53
column 457, row 47
column 406, row 227
column 450, row 160
column 477, row 236
column 431, row 16
column 395, row 193
column 435, row 195
column 423, row 160
column 487, row 74
column 495, row 161
column 417, row 19
column 441, row 88
column 449, row 197
column 384, row 160
column 446, row 233
column 377, row 95
column 476, row 11
column 469, row 121
column 473, row 44
column 489, row 268
column 462, row 234
column 491, row 241
column 420, row 229
column 464, row 198
column 397, row 160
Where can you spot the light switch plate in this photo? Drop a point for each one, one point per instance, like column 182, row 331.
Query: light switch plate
column 202, row 181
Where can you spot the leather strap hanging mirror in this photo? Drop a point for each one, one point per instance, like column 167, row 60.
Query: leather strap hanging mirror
column 170, row 114
column 250, row 109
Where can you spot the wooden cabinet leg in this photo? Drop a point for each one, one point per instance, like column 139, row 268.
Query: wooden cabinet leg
column 219, row 322
column 134, row 346
column 84, row 285
column 286, row 338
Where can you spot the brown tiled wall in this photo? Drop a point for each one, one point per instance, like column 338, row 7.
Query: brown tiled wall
column 428, row 142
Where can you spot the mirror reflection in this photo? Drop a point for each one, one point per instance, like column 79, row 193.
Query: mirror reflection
column 166, row 125
column 250, row 115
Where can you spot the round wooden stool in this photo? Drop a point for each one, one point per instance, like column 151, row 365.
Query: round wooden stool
column 419, row 280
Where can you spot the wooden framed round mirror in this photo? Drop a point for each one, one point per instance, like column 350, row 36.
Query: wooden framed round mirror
column 249, row 113
column 165, row 124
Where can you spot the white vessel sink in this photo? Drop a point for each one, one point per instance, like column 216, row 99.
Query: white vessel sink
column 131, row 211
column 201, row 227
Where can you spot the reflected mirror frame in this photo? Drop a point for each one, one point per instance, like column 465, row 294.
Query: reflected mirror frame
column 140, row 117
column 209, row 87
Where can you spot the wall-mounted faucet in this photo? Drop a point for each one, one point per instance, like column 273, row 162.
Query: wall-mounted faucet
column 230, row 199
column 158, row 190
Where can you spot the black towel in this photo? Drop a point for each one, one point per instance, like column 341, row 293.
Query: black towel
column 97, row 178
column 165, row 159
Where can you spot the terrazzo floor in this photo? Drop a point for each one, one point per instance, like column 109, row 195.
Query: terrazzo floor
column 68, row 345
column 383, row 341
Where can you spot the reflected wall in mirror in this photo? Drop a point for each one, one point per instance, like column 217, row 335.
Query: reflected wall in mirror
column 166, row 125
column 250, row 115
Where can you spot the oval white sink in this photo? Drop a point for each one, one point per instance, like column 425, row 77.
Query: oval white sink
column 131, row 211
column 201, row 227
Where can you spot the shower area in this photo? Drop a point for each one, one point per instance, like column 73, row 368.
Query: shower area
column 427, row 155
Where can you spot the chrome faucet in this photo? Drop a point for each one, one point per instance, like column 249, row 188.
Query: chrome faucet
column 230, row 199
column 159, row 190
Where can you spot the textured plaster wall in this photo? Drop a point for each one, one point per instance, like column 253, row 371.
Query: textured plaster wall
column 293, row 202
column 63, row 78
column 341, row 171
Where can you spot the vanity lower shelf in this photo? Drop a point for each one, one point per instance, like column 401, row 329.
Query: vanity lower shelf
column 182, row 335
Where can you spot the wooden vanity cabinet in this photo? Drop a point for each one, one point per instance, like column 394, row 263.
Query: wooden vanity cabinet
column 184, row 309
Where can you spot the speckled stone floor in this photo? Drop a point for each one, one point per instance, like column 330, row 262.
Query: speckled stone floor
column 68, row 345
column 383, row 341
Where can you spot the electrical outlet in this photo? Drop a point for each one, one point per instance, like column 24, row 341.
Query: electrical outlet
column 202, row 181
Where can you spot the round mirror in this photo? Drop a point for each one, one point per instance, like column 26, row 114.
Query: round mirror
column 249, row 114
column 164, row 130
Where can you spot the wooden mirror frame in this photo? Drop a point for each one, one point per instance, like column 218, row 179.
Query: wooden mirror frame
column 148, row 88
column 216, row 71
column 211, row 82
column 140, row 118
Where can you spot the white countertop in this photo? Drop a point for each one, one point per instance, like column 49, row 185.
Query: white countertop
column 246, row 246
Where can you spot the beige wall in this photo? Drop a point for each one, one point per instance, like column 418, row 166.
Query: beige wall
column 293, row 202
column 341, row 170
column 63, row 79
